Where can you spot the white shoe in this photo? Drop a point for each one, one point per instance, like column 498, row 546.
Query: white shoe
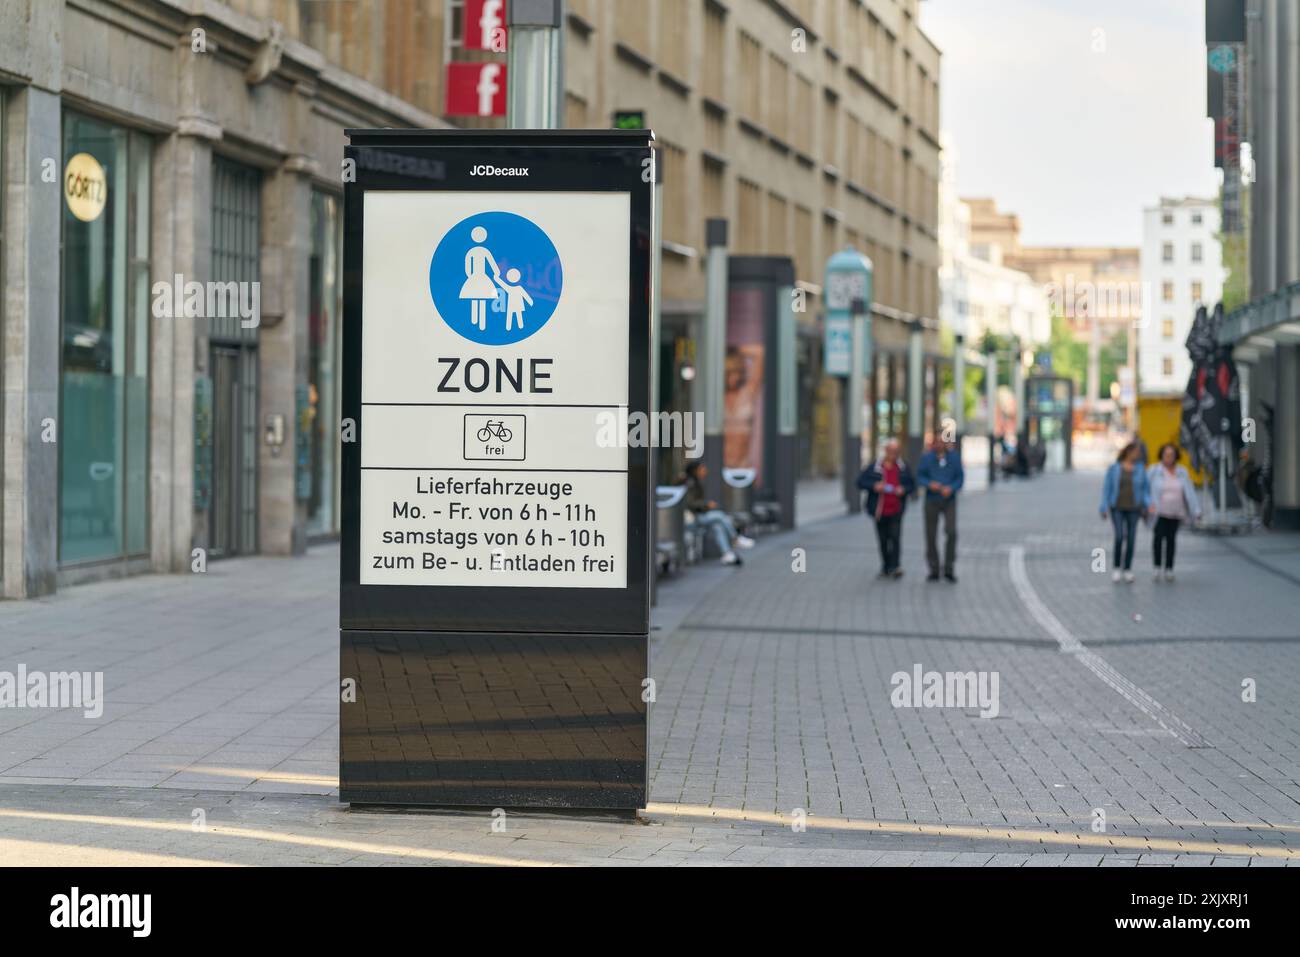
column 1159, row 575
column 1116, row 575
column 744, row 541
column 1130, row 577
column 1169, row 575
column 731, row 558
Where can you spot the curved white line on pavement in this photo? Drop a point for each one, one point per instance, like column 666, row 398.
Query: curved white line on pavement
column 1094, row 662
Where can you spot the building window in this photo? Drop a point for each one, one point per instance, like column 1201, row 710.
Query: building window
column 713, row 66
column 1196, row 290
column 1167, row 366
column 104, row 379
column 713, row 193
column 751, row 66
column 676, row 200
column 234, row 436
column 749, row 218
column 1197, row 252
column 1167, row 219
column 1196, row 219
column 830, row 128
column 1167, row 291
column 1167, row 252
column 1167, row 328
column 321, row 415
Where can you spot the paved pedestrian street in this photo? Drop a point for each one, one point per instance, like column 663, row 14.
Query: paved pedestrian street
column 1143, row 724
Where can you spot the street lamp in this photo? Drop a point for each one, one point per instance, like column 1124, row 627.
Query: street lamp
column 535, row 64
column 856, row 385
column 991, row 400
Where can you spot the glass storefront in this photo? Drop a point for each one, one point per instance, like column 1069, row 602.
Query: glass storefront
column 321, row 417
column 104, row 382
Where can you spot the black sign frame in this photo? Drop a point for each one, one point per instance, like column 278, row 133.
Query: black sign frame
column 557, row 161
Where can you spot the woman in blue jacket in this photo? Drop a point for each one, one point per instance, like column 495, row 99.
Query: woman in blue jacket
column 1125, row 497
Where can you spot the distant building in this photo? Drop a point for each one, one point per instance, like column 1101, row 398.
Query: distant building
column 1182, row 268
column 978, row 294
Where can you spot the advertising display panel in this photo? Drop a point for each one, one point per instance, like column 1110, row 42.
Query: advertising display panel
column 496, row 332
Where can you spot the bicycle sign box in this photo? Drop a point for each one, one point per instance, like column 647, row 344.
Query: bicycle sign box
column 495, row 438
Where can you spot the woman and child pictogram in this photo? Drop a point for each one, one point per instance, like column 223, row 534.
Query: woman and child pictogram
column 480, row 288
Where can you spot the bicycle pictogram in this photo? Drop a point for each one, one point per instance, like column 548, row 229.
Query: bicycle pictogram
column 494, row 429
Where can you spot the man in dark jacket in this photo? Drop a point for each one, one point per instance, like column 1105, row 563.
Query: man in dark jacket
column 888, row 483
column 941, row 475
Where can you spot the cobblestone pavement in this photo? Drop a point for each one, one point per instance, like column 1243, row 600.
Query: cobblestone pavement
column 1121, row 736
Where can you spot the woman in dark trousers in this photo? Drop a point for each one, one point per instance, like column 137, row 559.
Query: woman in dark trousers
column 1125, row 499
column 1173, row 501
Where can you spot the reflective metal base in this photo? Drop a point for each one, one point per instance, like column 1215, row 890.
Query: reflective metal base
column 493, row 720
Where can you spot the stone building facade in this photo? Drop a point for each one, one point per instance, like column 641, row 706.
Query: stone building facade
column 160, row 156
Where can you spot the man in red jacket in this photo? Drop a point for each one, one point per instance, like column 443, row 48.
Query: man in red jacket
column 888, row 483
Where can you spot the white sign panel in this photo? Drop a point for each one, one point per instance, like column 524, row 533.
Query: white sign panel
column 843, row 287
column 494, row 357
column 837, row 347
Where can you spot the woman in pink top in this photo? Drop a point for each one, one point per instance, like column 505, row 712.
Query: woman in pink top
column 1173, row 501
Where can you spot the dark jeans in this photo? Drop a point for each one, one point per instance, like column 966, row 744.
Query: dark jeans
column 948, row 509
column 1126, row 533
column 889, row 530
column 1166, row 534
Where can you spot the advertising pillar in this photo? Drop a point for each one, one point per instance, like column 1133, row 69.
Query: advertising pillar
column 713, row 349
column 759, row 445
column 494, row 608
column 847, row 353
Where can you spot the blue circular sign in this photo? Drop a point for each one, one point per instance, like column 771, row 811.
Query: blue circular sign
column 495, row 278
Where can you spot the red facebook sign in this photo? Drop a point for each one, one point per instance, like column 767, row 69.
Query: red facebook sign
column 476, row 89
column 485, row 25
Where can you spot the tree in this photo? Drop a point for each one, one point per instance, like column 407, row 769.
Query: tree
column 1236, row 285
column 1069, row 355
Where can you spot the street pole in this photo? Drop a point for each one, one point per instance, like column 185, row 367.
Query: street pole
column 534, row 87
column 712, row 368
column 1018, row 386
column 915, row 391
column 854, row 388
column 991, row 398
column 959, row 386
column 1094, row 363
column 656, row 334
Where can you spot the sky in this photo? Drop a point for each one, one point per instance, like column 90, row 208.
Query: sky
column 1075, row 114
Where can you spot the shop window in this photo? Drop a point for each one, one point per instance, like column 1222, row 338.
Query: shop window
column 323, row 364
column 104, row 379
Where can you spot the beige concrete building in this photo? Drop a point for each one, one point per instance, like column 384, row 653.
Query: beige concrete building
column 1082, row 282
column 1098, row 289
column 809, row 126
column 213, row 134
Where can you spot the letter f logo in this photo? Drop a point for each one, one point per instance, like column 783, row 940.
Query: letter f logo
column 487, row 87
column 489, row 19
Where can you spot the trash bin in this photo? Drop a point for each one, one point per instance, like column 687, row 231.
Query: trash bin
column 670, row 528
column 738, row 495
column 766, row 512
